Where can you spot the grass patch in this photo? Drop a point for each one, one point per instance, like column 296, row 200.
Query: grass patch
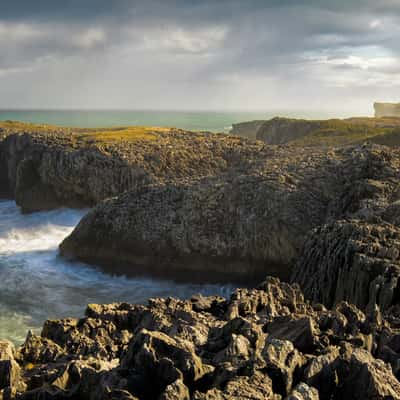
column 18, row 126
column 353, row 131
column 133, row 133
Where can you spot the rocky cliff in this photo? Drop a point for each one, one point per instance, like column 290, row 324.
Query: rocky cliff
column 264, row 343
column 45, row 168
column 332, row 132
column 357, row 258
column 387, row 110
column 257, row 220
column 243, row 223
column 247, row 129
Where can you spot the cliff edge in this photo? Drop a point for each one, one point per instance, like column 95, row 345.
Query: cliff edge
column 387, row 110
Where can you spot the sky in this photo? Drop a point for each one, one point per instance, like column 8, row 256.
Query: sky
column 200, row 54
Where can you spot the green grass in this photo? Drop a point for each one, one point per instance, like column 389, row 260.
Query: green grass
column 134, row 133
column 88, row 136
column 353, row 131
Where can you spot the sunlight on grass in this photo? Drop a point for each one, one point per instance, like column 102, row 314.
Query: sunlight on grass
column 120, row 134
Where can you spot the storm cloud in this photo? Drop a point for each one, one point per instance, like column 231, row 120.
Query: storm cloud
column 225, row 54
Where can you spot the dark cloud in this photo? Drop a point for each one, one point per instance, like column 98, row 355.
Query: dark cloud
column 212, row 48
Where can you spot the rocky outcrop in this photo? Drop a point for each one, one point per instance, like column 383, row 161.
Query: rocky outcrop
column 47, row 169
column 331, row 132
column 387, row 110
column 351, row 260
column 241, row 225
column 210, row 348
column 358, row 258
column 247, row 129
column 283, row 130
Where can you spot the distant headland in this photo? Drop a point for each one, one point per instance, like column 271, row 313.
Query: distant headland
column 387, row 110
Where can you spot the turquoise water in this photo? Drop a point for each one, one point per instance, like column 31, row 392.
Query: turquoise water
column 36, row 284
column 191, row 120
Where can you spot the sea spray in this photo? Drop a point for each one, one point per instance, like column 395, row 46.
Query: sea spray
column 37, row 284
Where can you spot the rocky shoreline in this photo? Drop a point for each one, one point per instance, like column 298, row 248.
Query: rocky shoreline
column 264, row 343
column 203, row 205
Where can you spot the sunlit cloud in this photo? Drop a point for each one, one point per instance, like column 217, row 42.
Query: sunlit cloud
column 228, row 53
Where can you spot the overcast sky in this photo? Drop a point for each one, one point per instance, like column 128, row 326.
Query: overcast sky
column 208, row 54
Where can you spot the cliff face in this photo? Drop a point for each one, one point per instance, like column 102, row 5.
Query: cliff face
column 244, row 224
column 284, row 130
column 332, row 132
column 43, row 170
column 357, row 257
column 247, row 129
column 387, row 110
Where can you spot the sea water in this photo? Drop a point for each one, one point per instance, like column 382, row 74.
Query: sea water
column 37, row 284
column 215, row 121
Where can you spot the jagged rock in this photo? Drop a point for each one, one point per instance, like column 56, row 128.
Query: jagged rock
column 10, row 372
column 176, row 391
column 158, row 356
column 260, row 343
column 40, row 350
column 281, row 362
column 319, row 372
column 256, row 387
column 351, row 260
column 302, row 331
column 363, row 377
column 303, row 392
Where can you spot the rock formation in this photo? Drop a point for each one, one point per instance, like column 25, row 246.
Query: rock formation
column 50, row 168
column 176, row 202
column 387, row 110
column 247, row 129
column 265, row 343
column 243, row 223
column 357, row 257
column 331, row 132
column 256, row 221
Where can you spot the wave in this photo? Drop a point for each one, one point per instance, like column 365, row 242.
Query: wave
column 36, row 284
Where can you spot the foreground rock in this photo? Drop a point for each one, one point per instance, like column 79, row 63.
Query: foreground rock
column 264, row 343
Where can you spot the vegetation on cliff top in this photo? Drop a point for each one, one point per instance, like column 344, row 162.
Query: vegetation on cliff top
column 353, row 131
column 85, row 136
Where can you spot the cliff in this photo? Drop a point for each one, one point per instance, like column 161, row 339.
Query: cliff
column 242, row 224
column 47, row 167
column 247, row 129
column 256, row 221
column 387, row 110
column 333, row 132
column 264, row 343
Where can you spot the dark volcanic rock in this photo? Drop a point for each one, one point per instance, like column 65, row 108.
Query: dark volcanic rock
column 173, row 349
column 355, row 261
column 248, row 222
column 48, row 168
column 240, row 224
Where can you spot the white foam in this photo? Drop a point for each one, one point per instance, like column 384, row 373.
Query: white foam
column 36, row 284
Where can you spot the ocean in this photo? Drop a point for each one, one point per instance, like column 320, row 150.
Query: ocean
column 214, row 121
column 36, row 284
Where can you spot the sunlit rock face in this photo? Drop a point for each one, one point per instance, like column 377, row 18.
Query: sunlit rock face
column 387, row 110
